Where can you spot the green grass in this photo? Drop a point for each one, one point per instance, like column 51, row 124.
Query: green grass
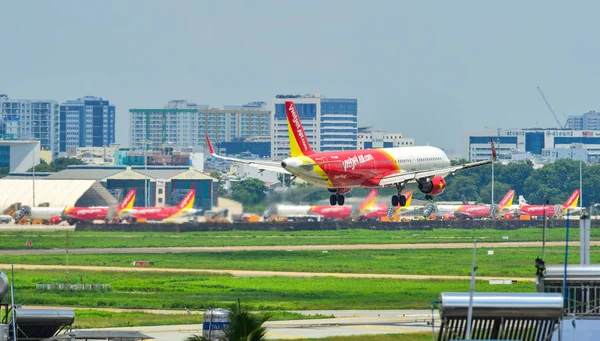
column 85, row 239
column 505, row 262
column 107, row 319
column 382, row 337
column 198, row 292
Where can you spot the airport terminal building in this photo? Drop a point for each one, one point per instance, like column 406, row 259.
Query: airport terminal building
column 537, row 142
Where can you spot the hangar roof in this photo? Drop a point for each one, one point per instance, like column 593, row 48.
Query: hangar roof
column 85, row 174
column 55, row 192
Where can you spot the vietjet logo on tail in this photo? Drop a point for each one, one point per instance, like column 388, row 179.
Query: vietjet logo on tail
column 299, row 144
column 188, row 200
column 127, row 202
column 507, row 201
column 573, row 200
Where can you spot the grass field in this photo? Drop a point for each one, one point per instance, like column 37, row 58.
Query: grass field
column 106, row 319
column 47, row 240
column 505, row 262
column 176, row 291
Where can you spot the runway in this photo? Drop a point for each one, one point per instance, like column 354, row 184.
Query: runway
column 248, row 273
column 88, row 251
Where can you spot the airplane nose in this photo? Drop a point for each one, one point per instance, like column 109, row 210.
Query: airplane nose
column 283, row 164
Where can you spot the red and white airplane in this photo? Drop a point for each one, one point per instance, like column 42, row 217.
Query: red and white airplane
column 549, row 210
column 75, row 214
column 473, row 211
column 408, row 168
column 346, row 212
column 184, row 209
column 378, row 211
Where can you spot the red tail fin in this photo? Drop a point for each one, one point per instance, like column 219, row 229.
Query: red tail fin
column 298, row 142
column 507, row 200
column 573, row 199
column 188, row 200
column 369, row 201
column 127, row 202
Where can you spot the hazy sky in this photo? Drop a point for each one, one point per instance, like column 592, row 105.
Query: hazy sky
column 430, row 69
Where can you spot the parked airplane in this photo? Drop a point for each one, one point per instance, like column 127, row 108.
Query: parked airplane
column 407, row 168
column 473, row 211
column 75, row 214
column 348, row 211
column 549, row 210
column 184, row 209
column 378, row 211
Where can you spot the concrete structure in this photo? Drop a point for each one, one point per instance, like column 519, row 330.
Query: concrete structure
column 94, row 155
column 588, row 121
column 86, row 122
column 330, row 123
column 167, row 185
column 25, row 119
column 368, row 139
column 19, row 156
column 534, row 141
column 184, row 124
column 573, row 152
column 135, row 157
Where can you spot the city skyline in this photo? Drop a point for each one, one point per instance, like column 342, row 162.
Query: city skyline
column 416, row 68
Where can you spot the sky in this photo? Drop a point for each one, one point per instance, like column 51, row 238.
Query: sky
column 433, row 70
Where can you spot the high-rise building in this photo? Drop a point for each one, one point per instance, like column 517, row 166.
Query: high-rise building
column 588, row 121
column 86, row 122
column 184, row 124
column 25, row 119
column 329, row 123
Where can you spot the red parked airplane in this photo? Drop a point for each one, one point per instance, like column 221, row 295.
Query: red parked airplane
column 378, row 211
column 184, row 209
column 549, row 210
column 346, row 212
column 75, row 214
column 407, row 168
column 473, row 211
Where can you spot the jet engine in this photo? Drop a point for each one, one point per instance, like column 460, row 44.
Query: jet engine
column 435, row 186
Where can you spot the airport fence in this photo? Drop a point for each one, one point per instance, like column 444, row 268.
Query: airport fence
column 329, row 225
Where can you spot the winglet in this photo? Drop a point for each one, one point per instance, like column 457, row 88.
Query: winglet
column 493, row 149
column 210, row 147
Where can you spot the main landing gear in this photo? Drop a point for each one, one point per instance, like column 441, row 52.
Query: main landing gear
column 399, row 199
column 336, row 199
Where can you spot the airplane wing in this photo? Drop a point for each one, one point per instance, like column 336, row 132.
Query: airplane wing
column 261, row 165
column 402, row 177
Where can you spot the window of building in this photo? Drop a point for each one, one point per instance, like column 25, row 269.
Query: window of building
column 160, row 191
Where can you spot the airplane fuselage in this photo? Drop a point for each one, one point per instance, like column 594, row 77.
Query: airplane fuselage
column 160, row 213
column 363, row 168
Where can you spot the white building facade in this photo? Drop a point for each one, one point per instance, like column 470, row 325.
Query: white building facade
column 24, row 119
column 588, row 121
column 534, row 141
column 330, row 124
column 19, row 156
column 382, row 139
column 183, row 124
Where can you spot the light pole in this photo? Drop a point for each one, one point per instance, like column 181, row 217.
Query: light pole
column 33, row 175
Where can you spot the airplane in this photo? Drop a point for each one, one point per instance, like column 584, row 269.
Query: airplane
column 75, row 214
column 326, row 212
column 183, row 209
column 549, row 210
column 408, row 168
column 346, row 212
column 472, row 211
column 377, row 211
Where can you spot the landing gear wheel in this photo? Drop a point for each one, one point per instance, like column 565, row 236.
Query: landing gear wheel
column 340, row 199
column 429, row 197
column 395, row 200
column 333, row 199
column 402, row 200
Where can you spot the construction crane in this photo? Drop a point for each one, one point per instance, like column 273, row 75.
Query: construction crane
column 550, row 108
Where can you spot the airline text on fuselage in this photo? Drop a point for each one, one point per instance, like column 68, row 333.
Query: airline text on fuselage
column 354, row 161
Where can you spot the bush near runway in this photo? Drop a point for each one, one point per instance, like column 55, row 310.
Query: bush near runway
column 329, row 225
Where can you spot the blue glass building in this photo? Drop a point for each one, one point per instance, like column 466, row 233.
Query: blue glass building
column 86, row 122
column 329, row 123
